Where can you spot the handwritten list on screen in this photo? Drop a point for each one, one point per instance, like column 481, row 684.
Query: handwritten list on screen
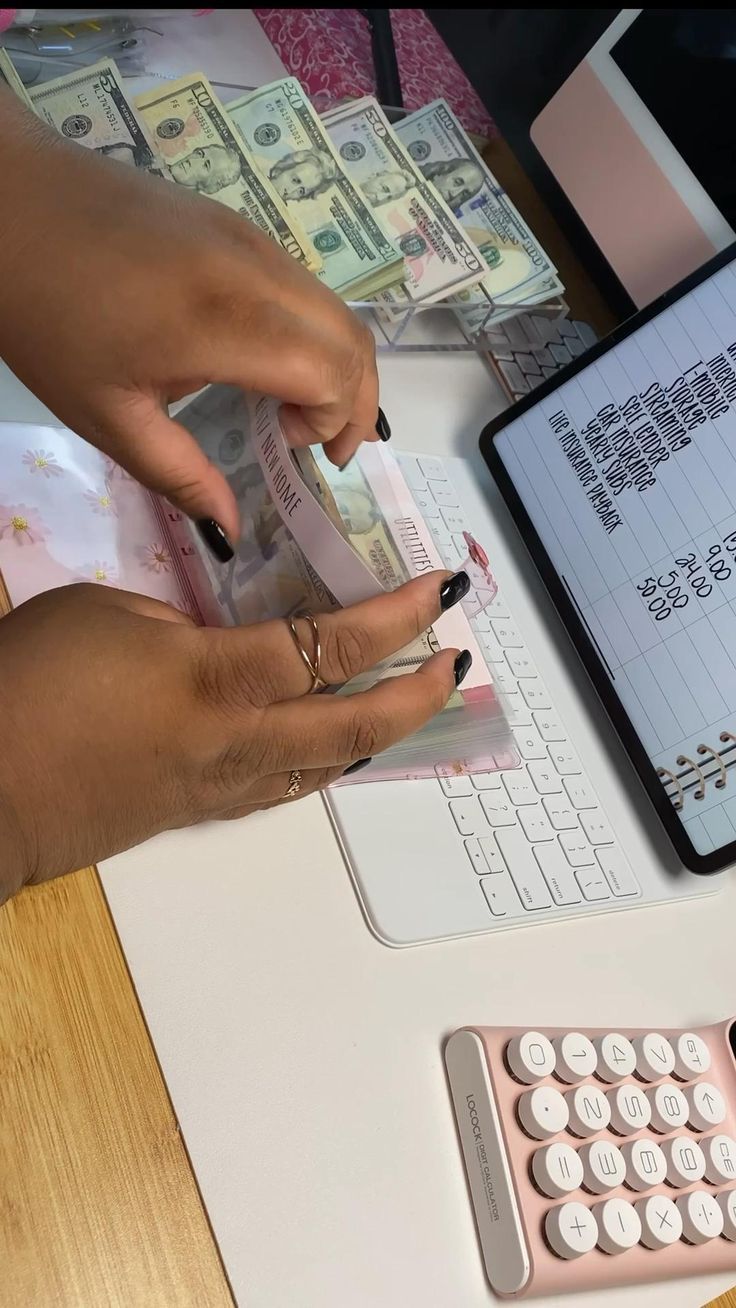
column 628, row 472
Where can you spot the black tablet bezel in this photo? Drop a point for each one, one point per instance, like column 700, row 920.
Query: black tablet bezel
column 703, row 864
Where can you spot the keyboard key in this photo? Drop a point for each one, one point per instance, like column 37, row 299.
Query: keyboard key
column 535, row 823
column 519, row 662
column 727, row 1205
column 661, row 1223
column 481, row 622
column 595, row 827
column 562, row 817
column 616, row 1057
column 577, row 850
column 454, row 520
column 507, row 760
column 593, row 886
column 646, row 1165
column 575, row 1057
column 518, row 788
column 589, row 1110
column 497, row 608
column 542, row 1112
column 491, row 648
column 545, row 778
column 426, row 504
column 557, row 1170
column 456, row 787
column 507, row 635
column 702, row 1218
column 413, row 474
column 669, row 1108
column 440, row 535
column 504, row 679
column 556, row 871
column 523, row 869
column 475, row 854
column 492, row 854
column 630, row 1109
column 571, row 1230
column 486, row 780
column 579, row 792
column 467, row 815
column 535, row 693
column 617, row 872
column 720, row 1159
column 444, row 493
column 692, row 1056
column 654, row 1056
column 565, row 760
column 707, row 1108
column 497, row 809
column 619, row 1225
column 685, row 1161
column 529, row 745
column 432, row 467
column 501, row 897
column 603, row 1166
column 530, row 1057
column 549, row 726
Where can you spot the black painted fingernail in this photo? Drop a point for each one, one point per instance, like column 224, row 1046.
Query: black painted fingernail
column 215, row 539
column 382, row 427
column 462, row 665
column 355, row 767
column 453, row 590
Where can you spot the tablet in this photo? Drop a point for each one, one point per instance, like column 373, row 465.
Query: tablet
column 620, row 473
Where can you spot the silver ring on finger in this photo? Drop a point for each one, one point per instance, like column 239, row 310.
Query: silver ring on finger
column 312, row 661
column 295, row 784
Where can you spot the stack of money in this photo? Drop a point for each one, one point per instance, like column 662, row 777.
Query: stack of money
column 441, row 259
column 519, row 272
column 292, row 149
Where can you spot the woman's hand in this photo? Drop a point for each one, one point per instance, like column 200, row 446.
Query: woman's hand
column 120, row 719
column 122, row 293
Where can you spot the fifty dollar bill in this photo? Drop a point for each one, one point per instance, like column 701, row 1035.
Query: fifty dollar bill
column 291, row 147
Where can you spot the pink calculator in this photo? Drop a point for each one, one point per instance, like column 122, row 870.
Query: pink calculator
column 597, row 1157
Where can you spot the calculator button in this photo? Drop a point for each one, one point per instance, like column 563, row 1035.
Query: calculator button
column 542, row 1112
column 571, row 1230
column 720, row 1159
column 702, row 1216
column 707, row 1108
column 466, row 815
column 616, row 870
column 576, row 1057
column 692, row 1056
column 654, row 1056
column 596, row 828
column 616, row 1057
column 577, row 850
column 545, row 778
column 592, row 884
column 589, row 1110
column 619, row 1225
column 685, row 1160
column 562, row 816
column 646, row 1165
column 557, row 1170
column 556, row 870
column 727, row 1205
column 630, row 1109
column 669, row 1108
column 604, row 1167
column 578, row 792
column 530, row 1057
column 661, row 1223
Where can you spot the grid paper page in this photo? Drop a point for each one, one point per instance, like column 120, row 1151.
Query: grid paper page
column 628, row 472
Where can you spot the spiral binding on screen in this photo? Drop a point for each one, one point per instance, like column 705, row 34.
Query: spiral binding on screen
column 693, row 778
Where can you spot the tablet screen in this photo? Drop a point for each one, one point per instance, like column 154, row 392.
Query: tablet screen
column 627, row 473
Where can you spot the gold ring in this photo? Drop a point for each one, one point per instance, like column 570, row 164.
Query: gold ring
column 312, row 663
column 295, row 784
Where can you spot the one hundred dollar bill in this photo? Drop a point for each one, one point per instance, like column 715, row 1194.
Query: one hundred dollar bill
column 90, row 107
column 291, row 147
column 518, row 269
column 10, row 78
column 201, row 151
column 441, row 260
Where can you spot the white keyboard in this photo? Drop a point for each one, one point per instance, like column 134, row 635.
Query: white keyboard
column 535, row 837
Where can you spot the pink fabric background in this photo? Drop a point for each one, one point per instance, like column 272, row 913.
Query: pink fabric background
column 329, row 51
